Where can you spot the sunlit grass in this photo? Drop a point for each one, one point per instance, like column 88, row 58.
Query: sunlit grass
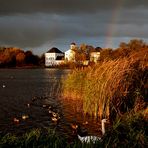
column 109, row 88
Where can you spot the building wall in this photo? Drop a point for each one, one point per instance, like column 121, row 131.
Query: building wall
column 94, row 56
column 70, row 55
column 50, row 59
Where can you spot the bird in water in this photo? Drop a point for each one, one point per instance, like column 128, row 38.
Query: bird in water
column 3, row 85
column 15, row 120
column 24, row 117
column 88, row 139
column 55, row 119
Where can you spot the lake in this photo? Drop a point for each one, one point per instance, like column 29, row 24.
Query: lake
column 25, row 92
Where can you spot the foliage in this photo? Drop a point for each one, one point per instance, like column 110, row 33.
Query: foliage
column 130, row 130
column 126, row 49
column 12, row 57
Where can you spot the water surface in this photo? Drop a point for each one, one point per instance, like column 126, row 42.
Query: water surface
column 36, row 87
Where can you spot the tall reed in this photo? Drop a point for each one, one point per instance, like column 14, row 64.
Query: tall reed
column 109, row 88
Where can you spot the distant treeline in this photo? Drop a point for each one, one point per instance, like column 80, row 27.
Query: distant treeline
column 15, row 57
column 124, row 50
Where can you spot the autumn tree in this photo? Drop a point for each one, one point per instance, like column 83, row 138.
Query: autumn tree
column 11, row 56
column 20, row 58
column 7, row 57
column 80, row 54
column 125, row 49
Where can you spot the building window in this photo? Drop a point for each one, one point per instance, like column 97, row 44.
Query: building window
column 51, row 58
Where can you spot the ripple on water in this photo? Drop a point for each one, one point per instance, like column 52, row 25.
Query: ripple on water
column 37, row 88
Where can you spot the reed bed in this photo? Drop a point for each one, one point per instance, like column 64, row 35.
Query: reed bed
column 109, row 88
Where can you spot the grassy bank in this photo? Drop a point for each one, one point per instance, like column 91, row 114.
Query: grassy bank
column 129, row 131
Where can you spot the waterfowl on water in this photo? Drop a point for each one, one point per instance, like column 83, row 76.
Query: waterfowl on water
column 85, row 123
column 55, row 114
column 24, row 117
column 34, row 98
column 44, row 105
column 28, row 105
column 3, row 85
column 50, row 111
column 15, row 120
column 88, row 139
column 55, row 119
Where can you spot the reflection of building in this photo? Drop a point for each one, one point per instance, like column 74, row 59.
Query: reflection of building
column 70, row 54
column 95, row 54
column 54, row 57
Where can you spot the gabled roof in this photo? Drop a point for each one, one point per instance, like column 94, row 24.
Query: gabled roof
column 73, row 43
column 98, row 49
column 54, row 50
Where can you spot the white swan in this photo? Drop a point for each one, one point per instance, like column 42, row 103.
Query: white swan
column 93, row 139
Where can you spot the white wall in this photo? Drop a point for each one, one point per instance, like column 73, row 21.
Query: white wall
column 70, row 55
column 94, row 56
column 50, row 59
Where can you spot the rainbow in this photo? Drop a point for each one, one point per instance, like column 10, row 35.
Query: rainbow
column 111, row 29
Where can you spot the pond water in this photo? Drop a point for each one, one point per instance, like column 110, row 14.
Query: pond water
column 25, row 92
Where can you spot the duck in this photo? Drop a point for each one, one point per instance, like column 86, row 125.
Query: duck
column 85, row 123
column 44, row 105
column 34, row 98
column 24, row 117
column 55, row 119
column 15, row 120
column 88, row 139
column 50, row 111
column 55, row 114
column 3, row 85
column 28, row 105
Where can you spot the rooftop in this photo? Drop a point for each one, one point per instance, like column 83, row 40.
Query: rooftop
column 54, row 50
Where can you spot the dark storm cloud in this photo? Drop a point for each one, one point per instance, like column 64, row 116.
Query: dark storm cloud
column 35, row 30
column 33, row 23
column 63, row 6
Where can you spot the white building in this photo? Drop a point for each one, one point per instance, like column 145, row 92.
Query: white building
column 54, row 57
column 70, row 54
column 95, row 55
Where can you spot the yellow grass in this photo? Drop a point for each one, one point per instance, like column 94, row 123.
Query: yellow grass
column 109, row 87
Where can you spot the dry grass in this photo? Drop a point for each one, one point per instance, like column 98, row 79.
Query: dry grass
column 109, row 88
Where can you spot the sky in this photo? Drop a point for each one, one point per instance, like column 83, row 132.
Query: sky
column 39, row 25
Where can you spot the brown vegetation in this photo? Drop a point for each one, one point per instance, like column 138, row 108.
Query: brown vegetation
column 114, row 85
column 15, row 57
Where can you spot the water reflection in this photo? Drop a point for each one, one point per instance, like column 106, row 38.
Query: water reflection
column 28, row 97
column 22, row 86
